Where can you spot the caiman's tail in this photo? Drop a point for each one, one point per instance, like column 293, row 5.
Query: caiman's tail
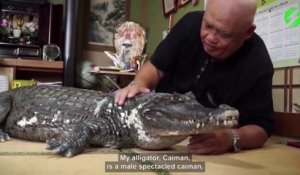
column 5, row 105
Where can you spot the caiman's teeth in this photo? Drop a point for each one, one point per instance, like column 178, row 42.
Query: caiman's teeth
column 202, row 124
column 225, row 123
column 198, row 125
column 230, row 122
column 217, row 123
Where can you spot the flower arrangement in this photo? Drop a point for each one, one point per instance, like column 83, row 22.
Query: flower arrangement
column 4, row 29
column 31, row 28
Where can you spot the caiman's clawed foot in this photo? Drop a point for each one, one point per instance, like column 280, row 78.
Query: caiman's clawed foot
column 4, row 136
column 69, row 144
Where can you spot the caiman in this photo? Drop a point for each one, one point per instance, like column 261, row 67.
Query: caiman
column 70, row 119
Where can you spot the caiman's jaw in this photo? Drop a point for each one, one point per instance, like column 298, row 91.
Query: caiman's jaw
column 183, row 115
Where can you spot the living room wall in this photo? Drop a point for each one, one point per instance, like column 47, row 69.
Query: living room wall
column 155, row 22
column 148, row 13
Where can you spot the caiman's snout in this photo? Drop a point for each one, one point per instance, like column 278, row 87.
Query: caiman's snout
column 183, row 115
column 224, row 117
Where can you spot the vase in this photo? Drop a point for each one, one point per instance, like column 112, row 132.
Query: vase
column 17, row 32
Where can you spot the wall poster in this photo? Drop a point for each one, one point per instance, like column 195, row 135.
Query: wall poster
column 278, row 24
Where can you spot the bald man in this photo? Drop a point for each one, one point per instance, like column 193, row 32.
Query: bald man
column 216, row 55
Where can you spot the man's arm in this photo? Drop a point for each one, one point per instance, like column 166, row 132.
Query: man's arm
column 148, row 76
column 252, row 136
column 146, row 80
column 221, row 141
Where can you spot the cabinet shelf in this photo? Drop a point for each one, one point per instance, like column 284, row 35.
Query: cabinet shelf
column 35, row 69
column 32, row 64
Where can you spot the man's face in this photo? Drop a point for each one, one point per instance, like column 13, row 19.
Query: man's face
column 221, row 37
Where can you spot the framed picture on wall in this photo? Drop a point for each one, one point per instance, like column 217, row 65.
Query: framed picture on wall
column 205, row 3
column 169, row 6
column 183, row 2
column 104, row 17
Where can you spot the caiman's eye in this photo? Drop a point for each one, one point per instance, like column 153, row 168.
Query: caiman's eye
column 177, row 99
column 180, row 99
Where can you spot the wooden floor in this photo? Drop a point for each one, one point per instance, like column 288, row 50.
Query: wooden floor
column 23, row 157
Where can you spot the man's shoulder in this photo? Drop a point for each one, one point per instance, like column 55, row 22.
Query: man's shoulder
column 255, row 46
column 256, row 55
column 191, row 20
column 194, row 14
column 256, row 38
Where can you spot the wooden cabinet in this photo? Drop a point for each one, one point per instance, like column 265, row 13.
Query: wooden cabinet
column 43, row 71
column 30, row 24
column 38, row 23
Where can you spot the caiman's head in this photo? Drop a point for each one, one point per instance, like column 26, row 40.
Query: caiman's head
column 180, row 114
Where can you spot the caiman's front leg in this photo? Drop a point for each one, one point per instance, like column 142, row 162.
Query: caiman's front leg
column 74, row 138
column 5, row 106
column 4, row 136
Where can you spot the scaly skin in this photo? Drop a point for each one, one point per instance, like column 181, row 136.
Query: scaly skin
column 70, row 119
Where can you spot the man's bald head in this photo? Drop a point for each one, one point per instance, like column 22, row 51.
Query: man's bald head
column 226, row 25
column 241, row 12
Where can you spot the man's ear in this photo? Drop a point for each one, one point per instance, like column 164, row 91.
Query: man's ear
column 250, row 31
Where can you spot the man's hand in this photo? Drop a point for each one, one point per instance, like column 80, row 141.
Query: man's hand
column 220, row 141
column 212, row 143
column 146, row 79
column 129, row 92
